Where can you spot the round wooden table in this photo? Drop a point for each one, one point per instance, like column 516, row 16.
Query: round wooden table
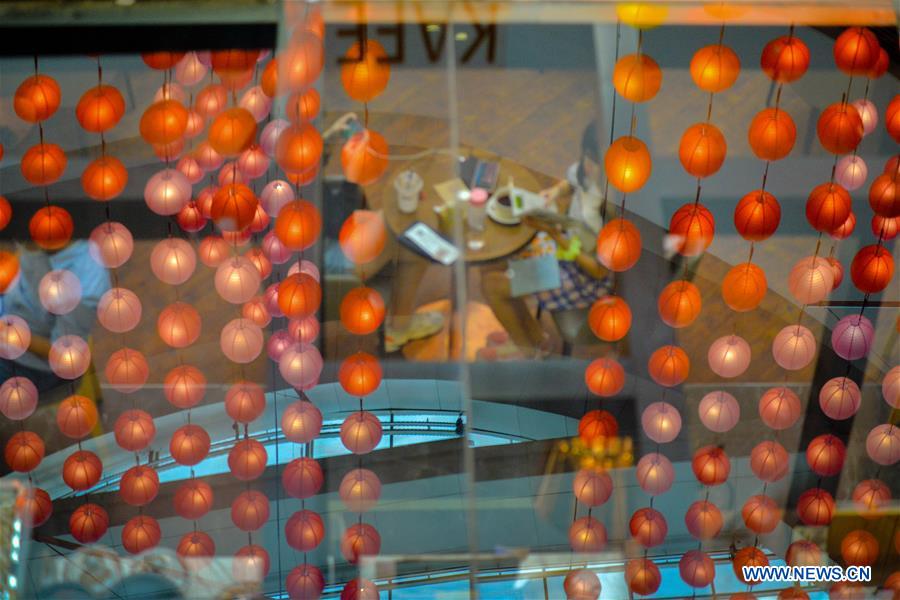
column 434, row 168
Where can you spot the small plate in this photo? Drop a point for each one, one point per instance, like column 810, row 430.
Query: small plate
column 493, row 212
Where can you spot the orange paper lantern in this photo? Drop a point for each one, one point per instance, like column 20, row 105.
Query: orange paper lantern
column 193, row 499
column 856, row 51
column 299, row 148
column 24, row 451
column 702, row 149
column 232, row 131
column 785, row 59
column 141, row 533
column 711, row 465
column 597, row 426
column 184, row 386
column 628, row 164
column 299, row 295
column 304, row 530
column 76, row 416
column 610, row 318
column 362, row 310
column 34, row 506
column 694, row 228
column 298, row 225
column 604, row 377
column 163, row 122
column 360, row 374
column 840, row 128
column 51, row 227
column 859, row 547
column 669, row 366
column 161, row 60
column 363, row 236
column 43, row 164
column 139, row 485
column 104, row 178
column 134, row 430
column 772, row 134
column 364, row 157
column 757, row 215
column 37, row 98
column 619, row 245
column 884, row 197
column 5, row 209
column 303, row 106
column 82, row 470
column 100, row 108
column 250, row 510
column 872, row 269
column 365, row 71
column 247, row 459
column 300, row 64
column 233, row 207
column 9, row 269
column 88, row 523
column 715, row 68
column 748, row 557
column 245, row 401
column 637, row 77
column 828, row 207
column 679, row 303
column 744, row 287
column 189, row 444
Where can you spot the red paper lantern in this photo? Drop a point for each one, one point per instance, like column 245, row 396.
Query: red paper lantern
column 127, row 370
column 715, row 68
column 711, row 465
column 364, row 157
column 785, row 59
column 298, row 225
column 587, row 534
column 592, row 486
column 247, row 459
column 648, row 526
column 34, row 506
column 828, row 207
column 872, row 269
column 104, row 178
column 840, row 128
column 141, row 533
column 134, row 430
column 360, row 374
column 163, row 122
column 184, row 386
column 234, row 67
column 772, row 134
column 76, row 416
column 769, row 461
column 696, row 568
column 748, row 557
column 178, row 325
column 642, row 576
column 303, row 107
column 596, row 426
column 362, row 310
column 761, row 514
column 702, row 149
column 189, row 445
column 669, row 366
column 610, row 318
column 162, row 60
column 860, row 548
column 233, row 207
column 304, row 530
column 757, row 215
column 581, row 584
column 251, row 563
column 195, row 549
column 9, row 269
column 37, row 98
column 825, row 455
column 299, row 296
column 43, row 164
column 892, row 118
column 299, row 148
column 306, row 581
column 870, row 497
column 360, row 589
column 100, row 108
column 628, row 164
column 82, row 470
column 362, row 236
column 51, row 227
column 803, row 553
column 5, row 207
column 885, row 228
column 302, row 477
column 694, row 227
column 703, row 520
column 619, row 245
column 232, row 131
column 250, row 510
column 365, row 71
column 139, row 485
column 88, row 523
column 744, row 287
column 604, row 377
column 637, row 77
column 24, row 451
column 360, row 539
column 856, row 51
column 245, row 401
column 301, row 422
column 883, row 195
column 679, row 303
column 193, row 499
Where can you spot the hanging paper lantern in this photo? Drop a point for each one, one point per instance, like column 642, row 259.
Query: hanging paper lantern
column 167, row 192
column 648, row 526
column 37, row 98
column 892, row 118
column 255, row 102
column 253, row 162
column 890, row 387
column 610, row 318
column 237, row 280
column 251, row 563
column 729, row 356
column 43, row 164
column 100, row 108
column 885, row 228
column 274, row 250
column 642, row 576
column 852, row 337
column 360, row 490
column 581, row 584
column 104, row 178
column 184, row 386
column 654, row 473
column 230, row 174
column 825, row 455
column 360, row 539
column 839, row 398
column 298, row 225
column 779, row 408
column 5, row 206
column 711, row 465
column 76, row 416
column 189, row 167
column 772, row 134
column 679, row 303
column 173, row 261
column 859, row 547
column 189, row 444
column 304, row 106
column 18, row 397
column 111, row 244
column 304, row 530
column 213, row 250
column 883, row 195
column 59, row 291
column 70, row 357
column 163, row 122
column 769, row 461
column 247, row 459
column 9, row 269
column 597, row 426
column 211, row 100
column 241, row 340
column 162, row 60
column 870, row 497
column 628, row 164
column 250, row 510
column 785, row 59
column 794, row 347
column 364, row 157
column 362, row 311
column 139, row 485
column 82, row 470
column 362, row 236
column 24, row 451
column 803, row 553
column 840, row 128
column 661, row 422
column 715, row 68
column 360, row 374
column 761, row 514
column 669, row 366
column 245, row 401
column 757, row 215
column 748, row 557
column 299, row 148
column 300, row 63
column 301, row 422
column 300, row 366
column 233, row 207
column 195, row 549
column 696, row 568
column 856, row 51
column 306, row 581
column 815, row 507
column 178, row 325
column 365, row 71
column 828, row 207
column 883, row 444
column 719, row 411
column 587, row 534
column 34, row 506
column 361, row 432
column 872, row 269
column 190, row 218
column 134, row 430
column 592, row 486
column 234, row 67
column 811, row 280
column 302, row 478
column 305, row 266
column 127, row 370
column 604, row 377
column 299, row 296
column 140, row 533
column 15, row 337
column 703, row 520
column 88, row 523
column 275, row 195
column 51, row 227
column 637, row 77
column 232, row 131
column 619, row 245
column 193, row 499
column 851, row 172
column 360, row 589
column 702, row 149
column 189, row 70
column 269, row 136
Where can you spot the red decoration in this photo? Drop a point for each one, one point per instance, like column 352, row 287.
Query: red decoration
column 362, row 310
column 43, row 164
column 769, row 461
column 127, row 370
column 245, row 401
column 715, row 68
column 592, row 486
column 840, row 128
column 247, row 459
column 299, row 295
column 366, row 71
column 100, row 108
column 303, row 106
column 856, row 51
column 702, row 149
column 581, row 584
column 299, row 148
column 619, row 245
column 195, row 549
column 34, row 506
column 597, row 426
column 761, row 514
column 828, row 207
column 872, row 269
column 141, row 533
column 37, row 98
column 748, row 557
column 306, row 581
column 24, row 451
column 360, row 539
column 301, row 422
column 711, row 465
column 184, row 386
column 803, row 553
column 88, row 523
column 757, row 215
column 304, row 530
column 587, row 534
column 360, row 490
column 669, row 366
column 610, row 318
column 232, row 131
column 360, row 589
column 628, row 164
column 298, row 225
column 178, row 325
column 362, row 236
column 190, row 444
column 679, row 303
column 162, row 60
column 892, row 118
column 139, row 485
column 703, row 520
column 51, row 227
column 604, row 377
column 163, row 122
column 642, row 576
column 637, row 77
column 302, row 477
column 744, row 287
column 884, row 197
column 772, row 134
column 364, row 157
column 250, row 510
column 648, row 526
column 251, row 563
column 9, row 269
column 76, row 416
column 82, row 470
column 360, row 374
column 193, row 499
column 825, row 455
column 694, row 227
column 5, row 208
column 696, row 568
column 361, row 432
column 785, row 59
column 104, row 178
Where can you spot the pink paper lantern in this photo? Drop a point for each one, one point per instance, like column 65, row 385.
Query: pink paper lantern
column 869, row 114
column 648, row 526
column 195, row 125
column 803, row 553
column 301, row 365
column 825, row 455
column 307, row 581
column 851, row 172
column 278, row 342
column 15, row 337
column 256, row 102
column 245, row 401
column 229, row 174
column 190, row 71
column 811, row 280
column 655, row 473
column 592, row 486
column 703, row 520
column 256, row 311
column 302, row 478
column 111, row 244
column 170, row 91
column 209, row 159
column 729, row 356
column 779, row 408
column 119, row 310
column 18, row 398
column 890, row 387
column 361, row 432
column 587, row 534
column 270, row 134
column 184, row 386
column 241, row 340
column 839, row 398
column 305, row 266
column 69, row 357
column 870, row 496
column 852, row 337
column 304, row 330
column 275, row 195
column 275, row 251
column 581, row 584
column 661, row 422
column 178, row 325
column 237, row 279
column 769, row 461
column 719, row 411
column 127, row 370
column 360, row 490
column 270, row 296
column 59, row 291
column 167, row 192
column 190, row 168
column 253, row 162
column 301, row 422
column 213, row 250
column 696, row 568
column 883, row 444
column 794, row 347
column 173, row 261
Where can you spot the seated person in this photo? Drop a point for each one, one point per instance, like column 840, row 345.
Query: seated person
column 582, row 276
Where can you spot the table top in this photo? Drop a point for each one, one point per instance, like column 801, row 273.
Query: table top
column 434, row 168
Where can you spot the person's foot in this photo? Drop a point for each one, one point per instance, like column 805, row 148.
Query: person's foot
column 416, row 327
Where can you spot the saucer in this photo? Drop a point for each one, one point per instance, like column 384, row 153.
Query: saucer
column 493, row 211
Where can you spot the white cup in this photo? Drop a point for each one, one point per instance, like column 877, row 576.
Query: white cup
column 407, row 185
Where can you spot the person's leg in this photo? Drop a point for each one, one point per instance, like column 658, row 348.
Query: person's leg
column 523, row 328
column 403, row 324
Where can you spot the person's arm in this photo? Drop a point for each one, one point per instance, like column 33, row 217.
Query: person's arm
column 585, row 261
column 39, row 346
